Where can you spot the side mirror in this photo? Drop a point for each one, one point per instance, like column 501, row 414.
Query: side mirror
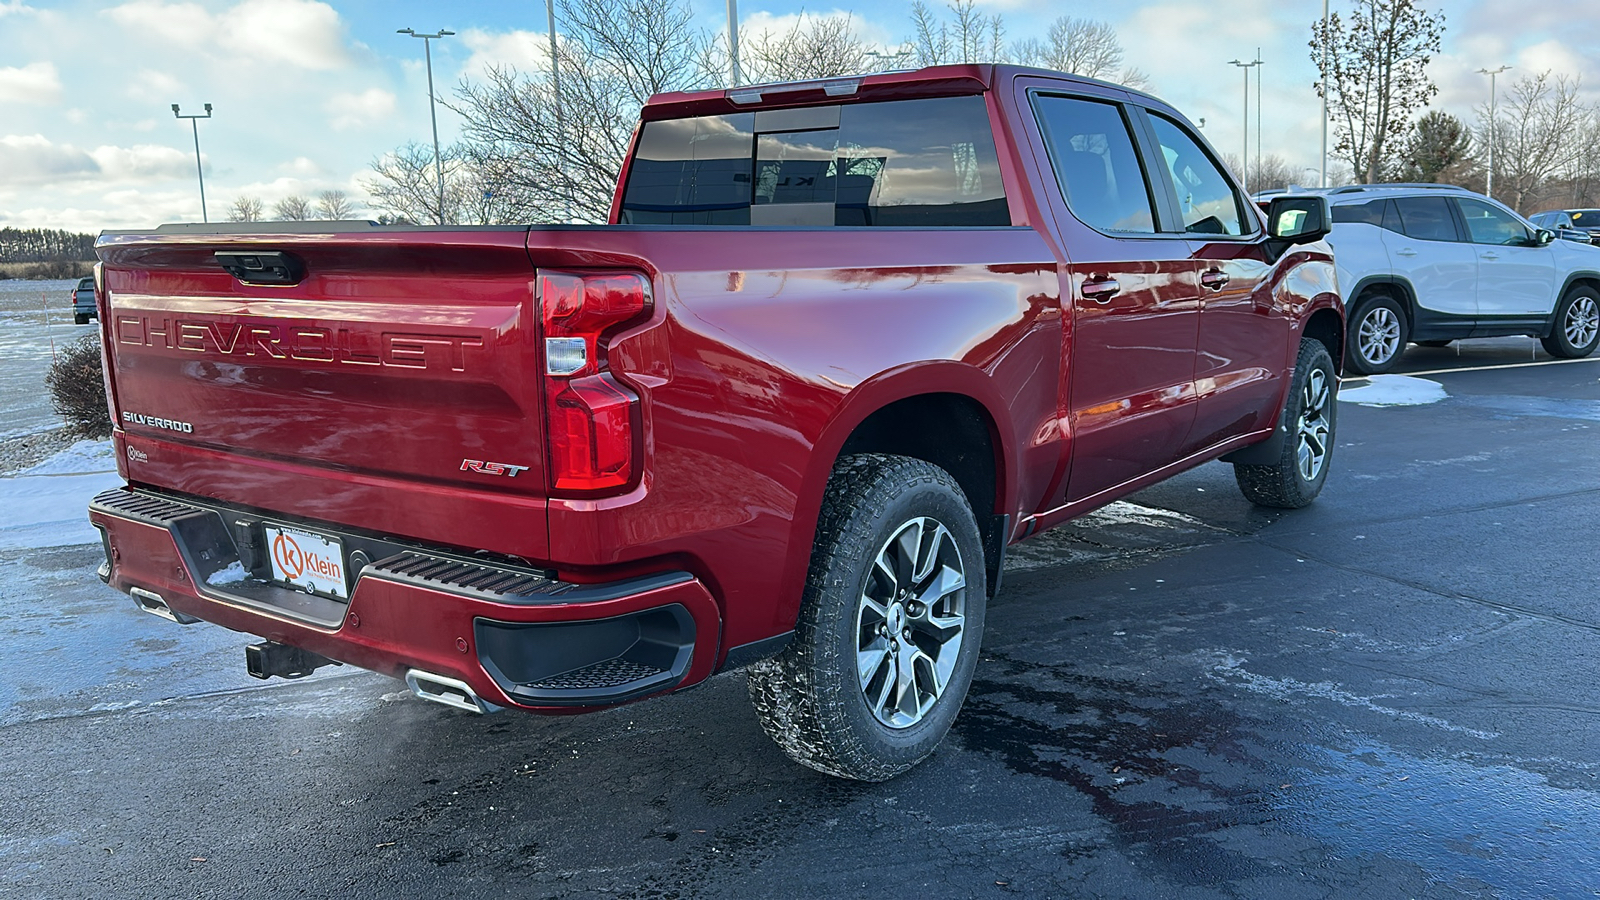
column 1296, row 220
column 1543, row 236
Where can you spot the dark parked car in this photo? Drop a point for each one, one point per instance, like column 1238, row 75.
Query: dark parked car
column 1582, row 225
column 83, row 308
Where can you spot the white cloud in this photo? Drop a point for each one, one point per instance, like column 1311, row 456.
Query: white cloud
column 302, row 33
column 33, row 83
column 141, row 162
column 155, row 87
column 354, row 110
column 15, row 7
column 33, row 158
column 302, row 167
column 525, row 51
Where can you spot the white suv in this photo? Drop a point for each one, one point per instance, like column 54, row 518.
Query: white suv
column 1431, row 263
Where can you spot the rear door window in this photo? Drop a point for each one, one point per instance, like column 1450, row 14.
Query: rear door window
column 907, row 162
column 1426, row 218
column 1092, row 152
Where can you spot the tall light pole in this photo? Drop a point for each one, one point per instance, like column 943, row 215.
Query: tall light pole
column 195, row 124
column 1324, row 77
column 555, row 86
column 1258, row 111
column 733, row 39
column 1494, row 123
column 427, row 52
column 1244, row 159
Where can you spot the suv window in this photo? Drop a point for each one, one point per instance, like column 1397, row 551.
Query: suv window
column 1492, row 225
column 1207, row 201
column 906, row 162
column 1426, row 218
column 1091, row 150
column 1368, row 213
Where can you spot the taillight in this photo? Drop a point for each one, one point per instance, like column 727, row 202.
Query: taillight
column 590, row 416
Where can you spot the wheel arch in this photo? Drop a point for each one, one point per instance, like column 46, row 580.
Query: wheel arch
column 1582, row 278
column 946, row 413
column 1398, row 287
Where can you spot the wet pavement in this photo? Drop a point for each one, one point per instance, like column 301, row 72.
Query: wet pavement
column 1389, row 694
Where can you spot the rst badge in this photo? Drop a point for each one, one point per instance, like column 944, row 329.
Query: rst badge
column 491, row 468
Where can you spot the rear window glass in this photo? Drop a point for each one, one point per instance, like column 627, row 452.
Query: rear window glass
column 1369, row 213
column 904, row 162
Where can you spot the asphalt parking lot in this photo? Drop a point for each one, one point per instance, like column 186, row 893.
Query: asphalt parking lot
column 1389, row 694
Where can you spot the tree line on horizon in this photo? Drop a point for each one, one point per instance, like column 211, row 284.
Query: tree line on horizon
column 44, row 245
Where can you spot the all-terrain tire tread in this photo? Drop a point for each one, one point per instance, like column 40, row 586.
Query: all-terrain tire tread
column 799, row 712
column 1279, row 485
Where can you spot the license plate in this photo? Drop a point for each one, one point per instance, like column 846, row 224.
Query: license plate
column 306, row 561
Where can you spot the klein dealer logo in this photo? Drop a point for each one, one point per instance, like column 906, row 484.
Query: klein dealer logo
column 294, row 562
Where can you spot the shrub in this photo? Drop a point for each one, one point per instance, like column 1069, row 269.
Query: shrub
column 78, row 388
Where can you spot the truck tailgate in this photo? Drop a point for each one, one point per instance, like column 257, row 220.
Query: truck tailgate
column 399, row 359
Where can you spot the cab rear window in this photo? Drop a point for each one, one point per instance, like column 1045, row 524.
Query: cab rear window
column 929, row 162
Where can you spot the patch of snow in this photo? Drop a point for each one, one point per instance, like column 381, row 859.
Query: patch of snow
column 231, row 575
column 1121, row 512
column 1395, row 390
column 82, row 458
column 50, row 510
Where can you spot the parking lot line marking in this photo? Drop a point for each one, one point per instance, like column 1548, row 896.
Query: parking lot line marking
column 1544, row 362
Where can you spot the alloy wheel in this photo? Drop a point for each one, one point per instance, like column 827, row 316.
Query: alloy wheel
column 1313, row 429
column 1582, row 322
column 1378, row 338
column 910, row 622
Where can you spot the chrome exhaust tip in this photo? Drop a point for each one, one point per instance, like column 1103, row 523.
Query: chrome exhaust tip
column 449, row 691
column 154, row 604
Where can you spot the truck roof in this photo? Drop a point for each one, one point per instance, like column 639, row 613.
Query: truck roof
column 930, row 81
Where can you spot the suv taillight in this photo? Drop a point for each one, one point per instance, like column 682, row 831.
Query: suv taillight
column 589, row 415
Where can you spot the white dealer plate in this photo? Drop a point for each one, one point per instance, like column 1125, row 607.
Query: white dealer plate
column 310, row 562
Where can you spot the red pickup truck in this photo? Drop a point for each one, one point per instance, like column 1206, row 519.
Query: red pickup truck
column 841, row 344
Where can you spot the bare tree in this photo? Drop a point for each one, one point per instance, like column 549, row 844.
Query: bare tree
column 335, row 206
column 1271, row 173
column 245, row 209
column 406, row 188
column 293, row 208
column 1083, row 47
column 1374, row 74
column 1538, row 136
column 548, row 162
column 814, row 47
column 969, row 36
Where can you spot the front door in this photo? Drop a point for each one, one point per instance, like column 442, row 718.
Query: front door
column 1516, row 277
column 1134, row 298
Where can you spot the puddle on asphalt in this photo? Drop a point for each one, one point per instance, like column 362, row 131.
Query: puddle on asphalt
column 1183, row 785
column 1549, row 407
column 1495, row 823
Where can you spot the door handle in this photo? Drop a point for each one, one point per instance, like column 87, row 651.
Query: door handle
column 1100, row 289
column 1405, row 251
column 1215, row 279
column 1491, row 256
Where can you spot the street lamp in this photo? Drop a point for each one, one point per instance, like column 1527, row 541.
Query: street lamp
column 1244, row 159
column 198, row 171
column 427, row 52
column 1323, row 74
column 1493, row 123
column 733, row 39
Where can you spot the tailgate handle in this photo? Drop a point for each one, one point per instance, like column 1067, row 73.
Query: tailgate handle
column 262, row 267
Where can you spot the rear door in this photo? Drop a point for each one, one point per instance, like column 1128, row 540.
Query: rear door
column 1133, row 290
column 1430, row 252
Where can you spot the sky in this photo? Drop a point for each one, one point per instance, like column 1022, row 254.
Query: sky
column 305, row 94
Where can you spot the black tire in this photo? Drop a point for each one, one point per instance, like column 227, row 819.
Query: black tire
column 80, row 318
column 1577, row 327
column 1377, row 335
column 1310, row 415
column 811, row 699
column 1434, row 344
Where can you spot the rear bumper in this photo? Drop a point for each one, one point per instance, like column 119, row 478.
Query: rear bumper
column 515, row 635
